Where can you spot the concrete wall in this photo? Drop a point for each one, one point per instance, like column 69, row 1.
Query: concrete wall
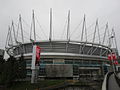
column 59, row 70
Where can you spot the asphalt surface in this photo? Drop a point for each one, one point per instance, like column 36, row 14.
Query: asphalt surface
column 112, row 83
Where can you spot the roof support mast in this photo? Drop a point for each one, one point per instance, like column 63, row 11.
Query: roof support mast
column 96, row 28
column 7, row 39
column 84, row 28
column 114, row 37
column 21, row 28
column 33, row 29
column 21, row 46
column 82, row 35
column 50, row 35
column 14, row 31
column 68, row 31
column 10, row 41
column 106, row 28
column 68, row 27
column 34, row 26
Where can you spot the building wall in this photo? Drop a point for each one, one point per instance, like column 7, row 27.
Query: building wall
column 59, row 70
column 52, row 67
column 62, row 59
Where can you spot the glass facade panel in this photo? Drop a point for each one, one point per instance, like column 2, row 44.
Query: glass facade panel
column 94, row 62
column 86, row 62
column 68, row 62
column 46, row 61
column 76, row 62
column 42, row 71
column 75, row 70
column 28, row 63
column 29, row 72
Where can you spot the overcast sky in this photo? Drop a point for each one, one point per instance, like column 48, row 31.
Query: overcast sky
column 104, row 10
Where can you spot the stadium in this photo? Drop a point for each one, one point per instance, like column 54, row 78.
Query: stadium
column 63, row 59
column 70, row 59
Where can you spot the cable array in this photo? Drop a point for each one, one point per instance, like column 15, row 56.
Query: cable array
column 22, row 32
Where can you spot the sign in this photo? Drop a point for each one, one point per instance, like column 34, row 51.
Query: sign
column 112, row 56
column 38, row 50
column 35, row 56
column 109, row 57
column 115, row 62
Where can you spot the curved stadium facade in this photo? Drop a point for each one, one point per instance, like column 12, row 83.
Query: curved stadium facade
column 63, row 59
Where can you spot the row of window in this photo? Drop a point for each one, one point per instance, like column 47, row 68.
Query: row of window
column 81, row 62
column 78, row 62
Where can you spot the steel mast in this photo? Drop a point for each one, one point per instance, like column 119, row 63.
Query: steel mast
column 50, row 34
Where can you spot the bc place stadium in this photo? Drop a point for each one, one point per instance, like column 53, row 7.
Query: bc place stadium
column 70, row 59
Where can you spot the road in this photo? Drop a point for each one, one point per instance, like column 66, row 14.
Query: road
column 110, row 82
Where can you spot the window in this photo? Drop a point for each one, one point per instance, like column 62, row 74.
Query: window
column 75, row 70
column 68, row 62
column 85, row 62
column 29, row 72
column 28, row 63
column 93, row 62
column 42, row 72
column 77, row 61
column 46, row 61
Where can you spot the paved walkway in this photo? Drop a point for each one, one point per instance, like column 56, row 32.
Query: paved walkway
column 111, row 82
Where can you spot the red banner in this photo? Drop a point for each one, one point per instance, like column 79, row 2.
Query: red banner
column 109, row 57
column 115, row 62
column 38, row 50
column 112, row 56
